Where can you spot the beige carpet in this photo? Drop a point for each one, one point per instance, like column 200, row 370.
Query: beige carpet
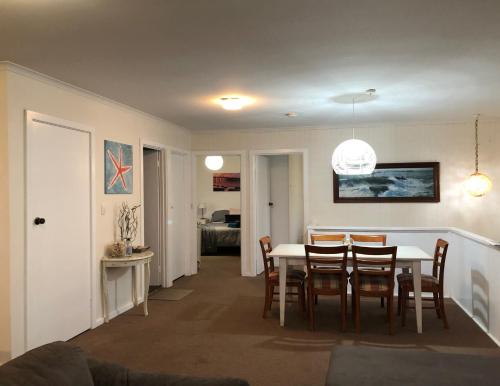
column 218, row 330
column 169, row 294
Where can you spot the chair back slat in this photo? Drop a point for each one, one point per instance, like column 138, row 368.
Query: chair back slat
column 266, row 247
column 364, row 264
column 369, row 239
column 336, row 238
column 440, row 253
column 330, row 263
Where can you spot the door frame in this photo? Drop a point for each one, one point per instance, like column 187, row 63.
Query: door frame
column 148, row 144
column 245, row 261
column 31, row 116
column 254, row 253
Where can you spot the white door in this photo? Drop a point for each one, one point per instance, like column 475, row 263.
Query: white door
column 58, row 263
column 278, row 170
column 263, row 191
column 178, row 241
column 152, row 210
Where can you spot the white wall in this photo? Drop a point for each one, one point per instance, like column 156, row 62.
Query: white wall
column 28, row 91
column 204, row 185
column 451, row 144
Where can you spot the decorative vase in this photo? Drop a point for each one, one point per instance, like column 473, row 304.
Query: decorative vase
column 116, row 250
column 128, row 247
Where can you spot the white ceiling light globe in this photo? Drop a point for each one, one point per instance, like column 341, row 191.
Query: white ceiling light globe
column 354, row 157
column 478, row 184
column 214, row 162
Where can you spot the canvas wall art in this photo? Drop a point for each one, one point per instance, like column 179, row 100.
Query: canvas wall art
column 390, row 182
column 226, row 182
column 118, row 174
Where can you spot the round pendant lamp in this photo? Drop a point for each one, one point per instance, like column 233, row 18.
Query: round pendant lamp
column 478, row 184
column 214, row 162
column 354, row 156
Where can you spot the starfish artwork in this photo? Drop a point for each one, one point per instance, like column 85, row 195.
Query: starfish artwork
column 118, row 168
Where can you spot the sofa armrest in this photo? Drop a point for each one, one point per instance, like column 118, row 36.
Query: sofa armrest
column 110, row 374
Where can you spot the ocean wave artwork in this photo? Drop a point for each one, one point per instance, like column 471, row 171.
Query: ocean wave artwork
column 389, row 183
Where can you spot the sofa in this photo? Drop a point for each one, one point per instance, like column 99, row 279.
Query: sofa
column 63, row 364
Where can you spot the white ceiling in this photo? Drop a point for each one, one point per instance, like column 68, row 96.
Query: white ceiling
column 430, row 60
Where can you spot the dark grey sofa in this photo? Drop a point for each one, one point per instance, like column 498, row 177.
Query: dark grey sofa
column 63, row 364
column 367, row 366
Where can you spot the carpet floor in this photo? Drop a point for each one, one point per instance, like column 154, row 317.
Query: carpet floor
column 218, row 330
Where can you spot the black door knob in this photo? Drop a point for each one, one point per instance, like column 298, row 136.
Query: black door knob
column 39, row 221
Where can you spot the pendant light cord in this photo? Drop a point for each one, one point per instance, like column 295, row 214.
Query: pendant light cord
column 477, row 143
column 353, row 98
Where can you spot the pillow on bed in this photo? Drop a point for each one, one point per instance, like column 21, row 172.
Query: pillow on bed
column 219, row 215
column 235, row 224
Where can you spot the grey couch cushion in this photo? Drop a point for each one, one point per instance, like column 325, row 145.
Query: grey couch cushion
column 55, row 364
column 363, row 366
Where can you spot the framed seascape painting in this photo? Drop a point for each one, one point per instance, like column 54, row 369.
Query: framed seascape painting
column 390, row 182
column 226, row 182
column 117, row 168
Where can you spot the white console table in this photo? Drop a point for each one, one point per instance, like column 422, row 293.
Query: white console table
column 133, row 261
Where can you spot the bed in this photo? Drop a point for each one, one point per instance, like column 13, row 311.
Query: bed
column 222, row 232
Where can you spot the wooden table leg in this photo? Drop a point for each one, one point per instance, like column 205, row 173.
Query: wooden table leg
column 104, row 292
column 147, row 273
column 134, row 285
column 283, row 267
column 417, row 287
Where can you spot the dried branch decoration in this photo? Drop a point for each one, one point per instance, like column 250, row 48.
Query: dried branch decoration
column 128, row 222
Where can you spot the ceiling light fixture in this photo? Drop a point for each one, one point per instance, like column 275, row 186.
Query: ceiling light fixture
column 354, row 156
column 478, row 184
column 214, row 162
column 234, row 102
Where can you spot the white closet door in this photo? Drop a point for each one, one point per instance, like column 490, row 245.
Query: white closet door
column 278, row 170
column 58, row 276
column 177, row 240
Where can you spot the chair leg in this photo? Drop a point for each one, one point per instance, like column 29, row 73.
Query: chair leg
column 443, row 314
column 437, row 304
column 266, row 302
column 404, row 301
column 310, row 303
column 358, row 312
column 399, row 300
column 381, row 302
column 271, row 296
column 390, row 314
column 315, row 299
column 303, row 297
column 343, row 310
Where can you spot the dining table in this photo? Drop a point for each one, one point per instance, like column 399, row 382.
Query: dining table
column 408, row 257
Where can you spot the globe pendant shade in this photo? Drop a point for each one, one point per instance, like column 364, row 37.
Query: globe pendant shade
column 214, row 162
column 478, row 184
column 354, row 157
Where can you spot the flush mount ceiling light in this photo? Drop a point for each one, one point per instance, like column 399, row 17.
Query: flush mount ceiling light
column 478, row 184
column 354, row 156
column 214, row 162
column 234, row 102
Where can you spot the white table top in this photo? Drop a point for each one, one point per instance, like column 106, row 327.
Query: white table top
column 405, row 253
column 134, row 257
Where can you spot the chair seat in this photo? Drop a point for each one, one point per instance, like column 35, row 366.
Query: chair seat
column 293, row 276
column 326, row 281
column 371, row 283
column 429, row 282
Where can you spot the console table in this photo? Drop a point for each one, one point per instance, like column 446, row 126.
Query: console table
column 133, row 261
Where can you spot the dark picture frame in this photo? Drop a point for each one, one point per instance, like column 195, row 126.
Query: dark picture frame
column 390, row 182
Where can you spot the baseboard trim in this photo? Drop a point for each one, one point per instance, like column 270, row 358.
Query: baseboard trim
column 116, row 312
column 481, row 326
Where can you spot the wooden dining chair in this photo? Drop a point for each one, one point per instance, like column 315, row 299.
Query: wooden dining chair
column 327, row 275
column 367, row 279
column 372, row 240
column 337, row 238
column 295, row 279
column 430, row 283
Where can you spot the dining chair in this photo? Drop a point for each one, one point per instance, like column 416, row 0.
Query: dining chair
column 371, row 240
column 367, row 279
column 295, row 279
column 430, row 283
column 332, row 238
column 337, row 238
column 327, row 275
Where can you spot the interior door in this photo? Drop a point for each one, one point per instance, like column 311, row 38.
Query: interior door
column 263, row 191
column 152, row 210
column 177, row 215
column 58, row 204
column 278, row 170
